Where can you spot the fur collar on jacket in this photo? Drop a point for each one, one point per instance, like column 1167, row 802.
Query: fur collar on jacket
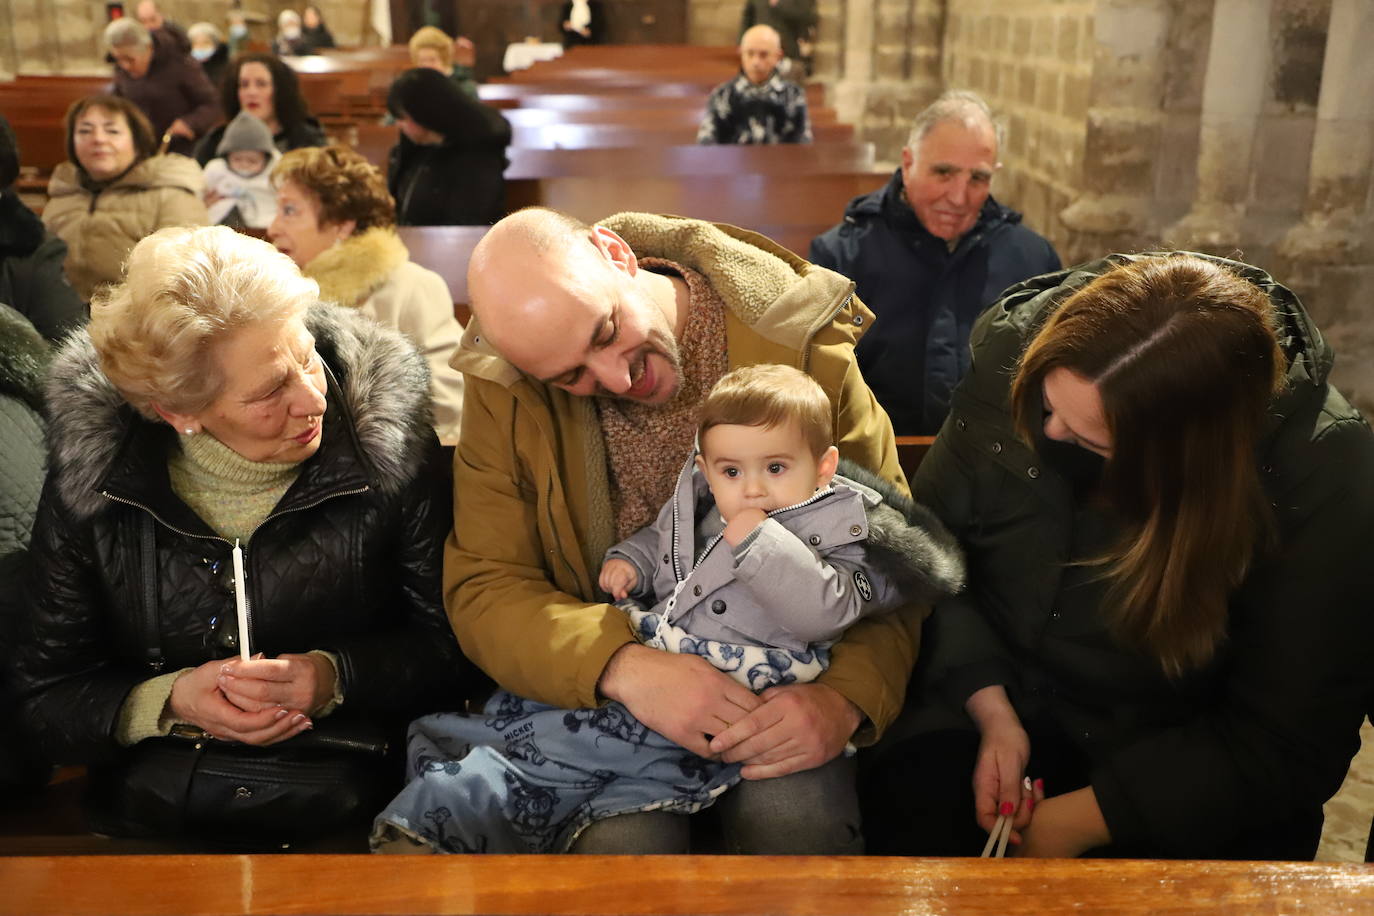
column 169, row 171
column 23, row 358
column 906, row 542
column 385, row 390
column 351, row 271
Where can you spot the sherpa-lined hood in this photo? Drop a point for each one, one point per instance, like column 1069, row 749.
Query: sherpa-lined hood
column 382, row 392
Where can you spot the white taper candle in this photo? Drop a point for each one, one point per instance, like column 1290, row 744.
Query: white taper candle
column 240, row 601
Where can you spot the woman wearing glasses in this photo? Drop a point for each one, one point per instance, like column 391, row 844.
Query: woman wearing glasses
column 213, row 402
column 1167, row 509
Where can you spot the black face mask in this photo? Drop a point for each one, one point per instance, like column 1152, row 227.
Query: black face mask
column 1080, row 467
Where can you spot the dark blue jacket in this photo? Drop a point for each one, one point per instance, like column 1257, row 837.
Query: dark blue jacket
column 925, row 297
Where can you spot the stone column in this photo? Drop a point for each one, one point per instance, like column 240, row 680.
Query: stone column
column 1130, row 68
column 1335, row 228
column 1328, row 257
column 1238, row 65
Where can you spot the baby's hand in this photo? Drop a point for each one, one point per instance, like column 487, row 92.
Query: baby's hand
column 618, row 577
column 744, row 522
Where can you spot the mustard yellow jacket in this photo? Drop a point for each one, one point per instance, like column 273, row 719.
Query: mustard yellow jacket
column 532, row 501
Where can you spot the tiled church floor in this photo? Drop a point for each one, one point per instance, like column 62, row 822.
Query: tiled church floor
column 1348, row 813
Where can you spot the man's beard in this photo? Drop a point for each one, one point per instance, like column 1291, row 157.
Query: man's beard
column 665, row 345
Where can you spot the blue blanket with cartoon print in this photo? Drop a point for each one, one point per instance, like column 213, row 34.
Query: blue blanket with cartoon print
column 526, row 777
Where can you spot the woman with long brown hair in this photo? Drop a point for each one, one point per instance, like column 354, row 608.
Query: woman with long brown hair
column 1163, row 649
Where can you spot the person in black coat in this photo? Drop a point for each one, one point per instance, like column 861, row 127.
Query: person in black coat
column 1167, row 510
column 314, row 33
column 583, row 23
column 209, row 50
column 23, row 363
column 235, row 410
column 270, row 91
column 32, row 281
column 447, row 169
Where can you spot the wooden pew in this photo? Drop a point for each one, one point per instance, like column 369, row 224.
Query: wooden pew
column 858, row 886
column 740, row 199
column 589, row 136
column 665, row 118
column 910, row 449
column 494, row 92
column 445, row 250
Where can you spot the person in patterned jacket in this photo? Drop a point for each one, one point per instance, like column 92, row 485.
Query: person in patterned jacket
column 758, row 105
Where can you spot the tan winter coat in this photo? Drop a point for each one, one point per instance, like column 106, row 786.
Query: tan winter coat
column 373, row 273
column 101, row 229
column 532, row 503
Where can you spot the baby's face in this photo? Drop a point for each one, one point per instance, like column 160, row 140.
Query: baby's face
column 760, row 467
column 247, row 163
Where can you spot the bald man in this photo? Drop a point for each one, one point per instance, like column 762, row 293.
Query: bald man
column 758, row 105
column 587, row 356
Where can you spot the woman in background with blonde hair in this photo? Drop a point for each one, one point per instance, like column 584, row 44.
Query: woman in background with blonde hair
column 1167, row 510
column 336, row 220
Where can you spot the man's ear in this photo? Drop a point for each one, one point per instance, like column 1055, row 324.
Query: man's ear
column 181, row 422
column 909, row 159
column 615, row 249
column 825, row 468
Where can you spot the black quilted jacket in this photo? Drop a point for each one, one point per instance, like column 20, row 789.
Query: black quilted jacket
column 348, row 561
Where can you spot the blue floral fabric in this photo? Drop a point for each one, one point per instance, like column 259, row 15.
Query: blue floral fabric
column 526, row 777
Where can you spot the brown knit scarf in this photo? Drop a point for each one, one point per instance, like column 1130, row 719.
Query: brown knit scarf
column 646, row 445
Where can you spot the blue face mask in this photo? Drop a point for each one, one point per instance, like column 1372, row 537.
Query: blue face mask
column 238, row 30
column 202, row 54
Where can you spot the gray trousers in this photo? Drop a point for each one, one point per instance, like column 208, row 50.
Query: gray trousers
column 815, row 812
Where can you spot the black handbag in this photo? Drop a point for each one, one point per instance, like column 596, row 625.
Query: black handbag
column 337, row 774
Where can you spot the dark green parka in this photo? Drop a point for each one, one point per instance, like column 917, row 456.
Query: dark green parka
column 1266, row 731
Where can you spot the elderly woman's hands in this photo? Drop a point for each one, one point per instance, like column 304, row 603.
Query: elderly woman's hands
column 295, row 682
column 197, row 698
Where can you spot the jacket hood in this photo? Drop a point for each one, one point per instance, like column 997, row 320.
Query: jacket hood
column 24, row 356
column 383, row 388
column 891, row 200
column 167, row 171
column 245, row 133
column 351, row 271
column 779, row 295
column 907, row 544
column 21, row 231
column 1007, row 327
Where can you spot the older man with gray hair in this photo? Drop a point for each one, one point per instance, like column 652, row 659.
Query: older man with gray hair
column 153, row 72
column 928, row 253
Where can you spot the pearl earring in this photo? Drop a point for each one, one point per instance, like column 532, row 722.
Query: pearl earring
column 189, row 431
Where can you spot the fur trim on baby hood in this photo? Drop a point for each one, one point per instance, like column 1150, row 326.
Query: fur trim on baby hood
column 352, row 270
column 907, row 543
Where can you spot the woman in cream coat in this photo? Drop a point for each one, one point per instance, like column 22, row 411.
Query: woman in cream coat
column 115, row 190
column 336, row 220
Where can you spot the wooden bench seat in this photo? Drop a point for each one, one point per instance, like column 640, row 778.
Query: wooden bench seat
column 672, row 117
column 788, row 886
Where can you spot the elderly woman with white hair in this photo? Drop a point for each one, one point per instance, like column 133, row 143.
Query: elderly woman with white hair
column 236, row 563
column 153, row 72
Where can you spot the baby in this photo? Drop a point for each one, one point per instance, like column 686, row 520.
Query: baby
column 761, row 558
column 238, row 183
